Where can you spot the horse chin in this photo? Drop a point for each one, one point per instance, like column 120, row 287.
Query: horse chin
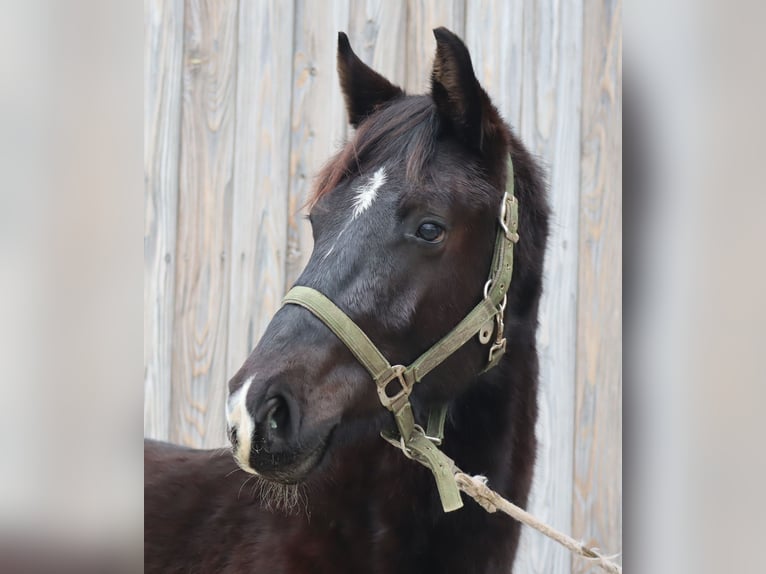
column 288, row 469
column 298, row 470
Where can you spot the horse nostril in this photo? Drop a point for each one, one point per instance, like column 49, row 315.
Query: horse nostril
column 276, row 424
column 277, row 416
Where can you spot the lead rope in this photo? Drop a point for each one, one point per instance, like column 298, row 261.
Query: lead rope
column 476, row 487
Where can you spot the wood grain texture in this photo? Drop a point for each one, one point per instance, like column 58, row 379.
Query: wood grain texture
column 377, row 31
column 204, row 223
column 318, row 125
column 163, row 52
column 422, row 17
column 597, row 517
column 494, row 33
column 549, row 125
column 261, row 173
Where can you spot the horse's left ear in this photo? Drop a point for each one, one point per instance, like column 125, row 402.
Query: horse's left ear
column 459, row 98
column 363, row 88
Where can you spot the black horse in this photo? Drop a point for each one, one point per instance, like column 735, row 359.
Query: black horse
column 404, row 221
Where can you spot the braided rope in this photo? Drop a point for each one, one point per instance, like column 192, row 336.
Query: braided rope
column 476, row 487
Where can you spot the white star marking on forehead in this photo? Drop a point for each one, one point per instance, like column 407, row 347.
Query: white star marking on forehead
column 367, row 192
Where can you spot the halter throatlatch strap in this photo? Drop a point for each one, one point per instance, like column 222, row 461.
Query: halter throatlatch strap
column 395, row 382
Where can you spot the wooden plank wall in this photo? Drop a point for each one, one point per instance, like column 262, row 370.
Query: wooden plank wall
column 597, row 512
column 162, row 133
column 203, row 243
column 243, row 108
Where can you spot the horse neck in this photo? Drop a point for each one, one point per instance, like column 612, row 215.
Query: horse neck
column 490, row 428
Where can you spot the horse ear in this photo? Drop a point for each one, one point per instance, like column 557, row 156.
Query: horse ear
column 363, row 88
column 459, row 98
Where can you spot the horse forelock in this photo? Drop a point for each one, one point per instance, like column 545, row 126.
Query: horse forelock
column 406, row 129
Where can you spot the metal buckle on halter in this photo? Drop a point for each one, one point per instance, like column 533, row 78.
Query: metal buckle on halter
column 393, row 402
column 496, row 351
column 506, row 217
column 498, row 347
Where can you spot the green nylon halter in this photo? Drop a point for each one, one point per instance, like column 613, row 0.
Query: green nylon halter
column 484, row 319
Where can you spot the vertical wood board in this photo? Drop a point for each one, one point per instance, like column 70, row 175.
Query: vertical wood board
column 204, row 223
column 377, row 31
column 261, row 173
column 494, row 35
column 318, row 125
column 550, row 126
column 597, row 517
column 422, row 17
column 163, row 52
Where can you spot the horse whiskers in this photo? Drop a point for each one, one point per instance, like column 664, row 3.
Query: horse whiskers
column 287, row 499
column 222, row 450
column 248, row 479
column 228, row 474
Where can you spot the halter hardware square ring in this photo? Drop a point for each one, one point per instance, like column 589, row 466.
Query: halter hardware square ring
column 392, row 402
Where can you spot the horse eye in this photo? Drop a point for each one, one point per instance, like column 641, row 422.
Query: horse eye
column 431, row 232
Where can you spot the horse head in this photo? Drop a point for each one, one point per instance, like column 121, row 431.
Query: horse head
column 404, row 220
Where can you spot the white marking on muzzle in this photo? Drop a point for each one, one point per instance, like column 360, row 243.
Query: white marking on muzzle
column 237, row 416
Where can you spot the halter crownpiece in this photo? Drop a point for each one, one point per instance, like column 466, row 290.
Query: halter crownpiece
column 484, row 319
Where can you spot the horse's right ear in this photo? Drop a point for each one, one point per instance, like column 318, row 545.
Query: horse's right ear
column 363, row 88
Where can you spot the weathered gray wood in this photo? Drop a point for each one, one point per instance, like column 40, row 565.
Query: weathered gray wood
column 261, row 172
column 493, row 33
column 163, row 51
column 549, row 124
column 318, row 125
column 377, row 31
column 204, row 223
column 422, row 17
column 597, row 517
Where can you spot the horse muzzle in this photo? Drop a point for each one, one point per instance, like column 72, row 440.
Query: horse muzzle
column 266, row 435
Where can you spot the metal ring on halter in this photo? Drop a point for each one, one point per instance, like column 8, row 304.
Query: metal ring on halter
column 434, row 439
column 505, row 228
column 416, row 428
column 487, row 285
column 405, row 449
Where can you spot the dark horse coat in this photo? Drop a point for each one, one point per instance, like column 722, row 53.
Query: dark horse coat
column 360, row 505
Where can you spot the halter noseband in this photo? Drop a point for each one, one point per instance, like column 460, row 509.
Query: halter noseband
column 484, row 319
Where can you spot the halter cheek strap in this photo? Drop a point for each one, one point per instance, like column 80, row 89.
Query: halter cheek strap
column 395, row 383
